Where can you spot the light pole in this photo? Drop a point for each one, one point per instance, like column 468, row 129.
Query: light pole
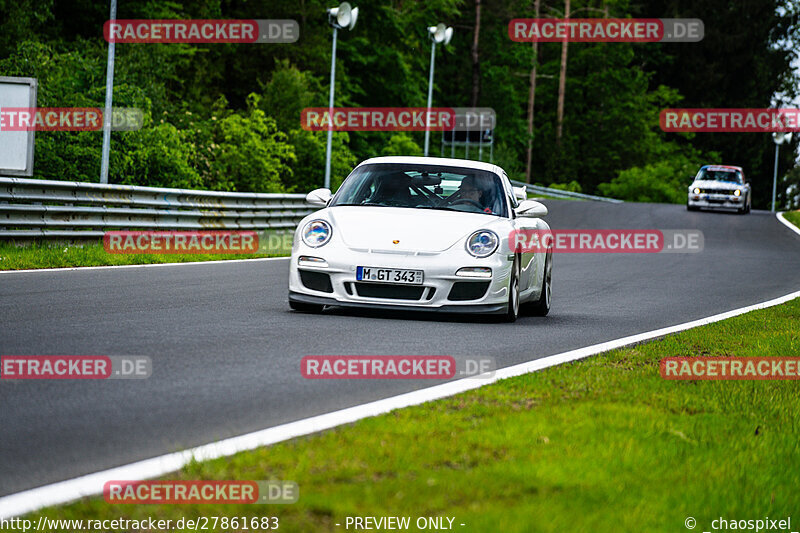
column 779, row 137
column 438, row 34
column 338, row 17
column 109, row 100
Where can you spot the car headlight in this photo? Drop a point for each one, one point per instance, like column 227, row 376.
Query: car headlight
column 696, row 190
column 482, row 243
column 737, row 192
column 316, row 233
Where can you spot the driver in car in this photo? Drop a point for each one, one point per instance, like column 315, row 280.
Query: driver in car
column 468, row 191
column 474, row 190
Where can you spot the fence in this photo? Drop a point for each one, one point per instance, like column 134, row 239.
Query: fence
column 72, row 210
column 558, row 193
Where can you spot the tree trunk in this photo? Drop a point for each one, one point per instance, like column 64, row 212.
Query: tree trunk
column 476, row 69
column 532, row 98
column 562, row 81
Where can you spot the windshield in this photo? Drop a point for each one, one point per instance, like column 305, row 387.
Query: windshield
column 720, row 174
column 424, row 187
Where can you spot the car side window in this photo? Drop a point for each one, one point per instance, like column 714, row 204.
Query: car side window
column 512, row 199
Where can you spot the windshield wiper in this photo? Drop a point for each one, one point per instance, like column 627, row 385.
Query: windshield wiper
column 456, row 210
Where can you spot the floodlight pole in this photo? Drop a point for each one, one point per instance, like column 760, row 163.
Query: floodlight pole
column 430, row 97
column 778, row 138
column 330, row 114
column 109, row 100
column 775, row 176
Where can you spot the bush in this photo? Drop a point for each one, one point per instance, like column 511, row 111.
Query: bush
column 401, row 144
column 665, row 181
column 248, row 153
column 572, row 186
column 309, row 168
column 158, row 156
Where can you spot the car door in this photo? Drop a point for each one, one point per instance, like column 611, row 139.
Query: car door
column 529, row 267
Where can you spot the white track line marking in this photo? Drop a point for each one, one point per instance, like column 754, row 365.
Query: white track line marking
column 105, row 267
column 92, row 484
column 786, row 223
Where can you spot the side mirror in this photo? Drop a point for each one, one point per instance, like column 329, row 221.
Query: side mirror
column 531, row 209
column 521, row 193
column 319, row 197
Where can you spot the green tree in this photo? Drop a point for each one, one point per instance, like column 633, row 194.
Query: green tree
column 401, row 144
column 250, row 153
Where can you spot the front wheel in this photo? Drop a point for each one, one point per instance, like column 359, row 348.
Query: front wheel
column 542, row 306
column 746, row 205
column 513, row 294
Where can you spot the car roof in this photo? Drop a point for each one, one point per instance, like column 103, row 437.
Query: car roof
column 723, row 166
column 443, row 161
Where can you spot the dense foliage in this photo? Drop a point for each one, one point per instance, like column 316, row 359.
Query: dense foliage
column 227, row 117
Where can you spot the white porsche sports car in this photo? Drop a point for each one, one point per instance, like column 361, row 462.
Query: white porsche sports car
column 421, row 233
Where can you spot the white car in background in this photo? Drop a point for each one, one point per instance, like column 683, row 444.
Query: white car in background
column 421, row 233
column 719, row 187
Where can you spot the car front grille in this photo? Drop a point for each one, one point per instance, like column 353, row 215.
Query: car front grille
column 467, row 290
column 389, row 291
column 316, row 281
column 716, row 191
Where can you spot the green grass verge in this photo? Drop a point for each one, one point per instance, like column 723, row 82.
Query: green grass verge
column 602, row 444
column 793, row 217
column 49, row 255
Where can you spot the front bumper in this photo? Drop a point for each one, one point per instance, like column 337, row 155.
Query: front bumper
column 338, row 284
column 490, row 309
column 716, row 201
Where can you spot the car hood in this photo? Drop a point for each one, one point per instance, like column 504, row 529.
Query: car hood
column 416, row 230
column 711, row 184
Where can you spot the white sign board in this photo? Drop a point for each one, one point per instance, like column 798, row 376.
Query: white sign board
column 16, row 147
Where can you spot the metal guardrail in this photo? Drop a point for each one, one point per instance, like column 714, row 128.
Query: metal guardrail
column 558, row 193
column 72, row 210
column 67, row 209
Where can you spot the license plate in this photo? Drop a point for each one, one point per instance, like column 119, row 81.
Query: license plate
column 389, row 275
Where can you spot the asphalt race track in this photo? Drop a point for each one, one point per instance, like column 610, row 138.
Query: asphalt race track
column 226, row 348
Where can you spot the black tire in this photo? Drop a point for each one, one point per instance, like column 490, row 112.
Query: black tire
column 691, row 208
column 745, row 208
column 542, row 306
column 512, row 310
column 305, row 308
